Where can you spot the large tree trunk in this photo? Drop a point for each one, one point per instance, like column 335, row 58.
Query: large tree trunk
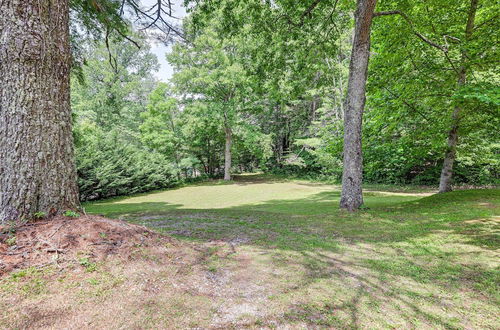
column 37, row 170
column 352, row 176
column 227, row 153
column 449, row 158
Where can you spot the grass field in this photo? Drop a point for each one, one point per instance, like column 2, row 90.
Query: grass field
column 280, row 254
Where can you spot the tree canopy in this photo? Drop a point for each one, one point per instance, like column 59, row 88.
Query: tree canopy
column 272, row 78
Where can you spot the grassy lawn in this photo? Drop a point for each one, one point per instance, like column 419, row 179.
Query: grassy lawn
column 409, row 259
column 276, row 253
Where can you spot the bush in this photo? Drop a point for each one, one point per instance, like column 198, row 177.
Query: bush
column 109, row 165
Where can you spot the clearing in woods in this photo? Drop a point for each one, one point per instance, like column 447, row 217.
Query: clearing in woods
column 260, row 252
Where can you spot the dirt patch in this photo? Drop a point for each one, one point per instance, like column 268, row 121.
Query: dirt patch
column 61, row 240
column 488, row 205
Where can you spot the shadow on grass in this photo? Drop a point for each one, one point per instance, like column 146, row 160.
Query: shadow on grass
column 370, row 290
column 404, row 257
column 311, row 222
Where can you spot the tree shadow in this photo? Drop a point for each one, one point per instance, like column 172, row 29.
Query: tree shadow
column 314, row 221
column 365, row 286
column 393, row 255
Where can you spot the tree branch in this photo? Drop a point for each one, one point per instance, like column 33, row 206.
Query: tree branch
column 112, row 60
column 154, row 17
column 386, row 13
column 418, row 34
column 309, row 10
column 304, row 14
column 486, row 21
column 409, row 105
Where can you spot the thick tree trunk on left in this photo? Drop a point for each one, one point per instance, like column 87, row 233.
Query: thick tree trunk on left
column 37, row 170
column 352, row 175
column 227, row 153
column 445, row 180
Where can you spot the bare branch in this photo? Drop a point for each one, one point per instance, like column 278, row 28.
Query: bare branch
column 156, row 16
column 128, row 38
column 386, row 13
column 452, row 38
column 112, row 60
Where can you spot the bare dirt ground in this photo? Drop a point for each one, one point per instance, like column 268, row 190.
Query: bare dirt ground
column 157, row 285
column 92, row 271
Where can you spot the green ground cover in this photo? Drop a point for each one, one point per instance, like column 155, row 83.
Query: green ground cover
column 264, row 252
column 409, row 258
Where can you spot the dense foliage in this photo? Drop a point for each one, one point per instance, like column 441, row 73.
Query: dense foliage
column 111, row 158
column 266, row 82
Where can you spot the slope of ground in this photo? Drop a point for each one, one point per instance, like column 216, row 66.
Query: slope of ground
column 286, row 259
column 62, row 240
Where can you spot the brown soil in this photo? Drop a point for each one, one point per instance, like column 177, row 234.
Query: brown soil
column 141, row 278
column 62, row 240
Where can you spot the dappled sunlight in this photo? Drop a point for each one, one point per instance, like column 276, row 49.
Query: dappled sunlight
column 264, row 254
column 364, row 284
column 304, row 164
column 406, row 260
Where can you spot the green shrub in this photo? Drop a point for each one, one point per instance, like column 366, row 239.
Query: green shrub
column 109, row 165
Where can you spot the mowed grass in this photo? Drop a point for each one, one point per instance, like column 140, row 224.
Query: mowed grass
column 275, row 253
column 409, row 259
column 248, row 192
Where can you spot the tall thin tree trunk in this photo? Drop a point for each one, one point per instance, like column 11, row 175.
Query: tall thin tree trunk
column 449, row 159
column 352, row 176
column 227, row 153
column 445, row 180
column 37, row 170
column 176, row 153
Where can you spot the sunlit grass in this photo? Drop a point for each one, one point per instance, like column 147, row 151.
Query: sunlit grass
column 230, row 195
column 250, row 192
column 409, row 259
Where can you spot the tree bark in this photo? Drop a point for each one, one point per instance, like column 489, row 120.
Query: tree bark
column 352, row 176
column 445, row 180
column 37, row 170
column 227, row 153
column 449, row 159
